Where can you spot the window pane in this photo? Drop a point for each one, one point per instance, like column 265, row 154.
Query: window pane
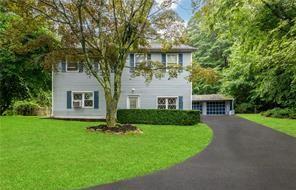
column 72, row 66
column 162, row 107
column 172, row 103
column 161, row 101
column 88, row 103
column 140, row 58
column 88, row 96
column 88, row 99
column 77, row 96
column 172, row 58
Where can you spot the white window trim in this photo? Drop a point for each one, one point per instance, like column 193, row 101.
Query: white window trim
column 75, row 71
column 166, row 104
column 128, row 102
column 82, row 105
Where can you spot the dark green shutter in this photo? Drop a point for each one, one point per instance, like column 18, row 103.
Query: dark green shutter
column 181, row 60
column 69, row 99
column 149, row 56
column 63, row 63
column 163, row 61
column 96, row 99
column 180, row 102
column 132, row 62
column 80, row 65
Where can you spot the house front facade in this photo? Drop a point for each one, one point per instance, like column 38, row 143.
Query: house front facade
column 78, row 95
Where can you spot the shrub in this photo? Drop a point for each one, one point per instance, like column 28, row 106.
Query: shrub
column 25, row 107
column 160, row 117
column 43, row 98
column 8, row 112
column 280, row 113
column 245, row 108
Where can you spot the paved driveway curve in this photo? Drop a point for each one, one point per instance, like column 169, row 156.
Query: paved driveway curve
column 243, row 155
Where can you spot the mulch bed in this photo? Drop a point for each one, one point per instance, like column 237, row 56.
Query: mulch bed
column 119, row 129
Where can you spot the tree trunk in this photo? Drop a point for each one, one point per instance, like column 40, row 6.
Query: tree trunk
column 111, row 111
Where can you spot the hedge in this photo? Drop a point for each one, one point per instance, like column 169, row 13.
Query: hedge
column 280, row 113
column 159, row 117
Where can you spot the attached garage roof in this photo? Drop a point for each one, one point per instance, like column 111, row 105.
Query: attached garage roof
column 211, row 97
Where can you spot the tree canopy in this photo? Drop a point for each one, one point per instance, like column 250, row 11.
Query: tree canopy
column 258, row 39
column 23, row 44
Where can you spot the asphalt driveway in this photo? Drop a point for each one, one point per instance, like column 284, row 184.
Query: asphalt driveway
column 243, row 155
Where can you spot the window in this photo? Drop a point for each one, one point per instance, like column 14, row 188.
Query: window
column 133, row 102
column 172, row 58
column 83, row 100
column 139, row 58
column 72, row 66
column 167, row 103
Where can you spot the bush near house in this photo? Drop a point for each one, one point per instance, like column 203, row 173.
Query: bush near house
column 280, row 113
column 157, row 116
column 25, row 108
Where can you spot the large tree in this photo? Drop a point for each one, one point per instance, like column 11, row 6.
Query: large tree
column 23, row 43
column 105, row 31
column 262, row 57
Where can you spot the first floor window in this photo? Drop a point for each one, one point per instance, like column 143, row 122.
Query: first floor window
column 72, row 66
column 167, row 102
column 83, row 99
column 133, row 102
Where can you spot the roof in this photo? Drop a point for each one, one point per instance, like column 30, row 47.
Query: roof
column 157, row 47
column 211, row 97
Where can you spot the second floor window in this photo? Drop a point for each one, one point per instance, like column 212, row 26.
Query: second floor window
column 72, row 67
column 172, row 58
column 139, row 58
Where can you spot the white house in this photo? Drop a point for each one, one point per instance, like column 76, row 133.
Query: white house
column 77, row 95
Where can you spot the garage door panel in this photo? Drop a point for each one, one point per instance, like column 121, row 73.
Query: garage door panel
column 216, row 108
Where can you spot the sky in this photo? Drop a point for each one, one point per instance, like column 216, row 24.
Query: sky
column 184, row 9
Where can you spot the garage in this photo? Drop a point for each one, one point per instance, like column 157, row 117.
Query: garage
column 213, row 104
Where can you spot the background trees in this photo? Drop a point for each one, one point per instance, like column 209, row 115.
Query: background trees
column 258, row 39
column 23, row 44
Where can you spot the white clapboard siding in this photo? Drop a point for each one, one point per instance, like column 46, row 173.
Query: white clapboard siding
column 65, row 81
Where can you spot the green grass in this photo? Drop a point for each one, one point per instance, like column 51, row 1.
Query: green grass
column 40, row 153
column 287, row 126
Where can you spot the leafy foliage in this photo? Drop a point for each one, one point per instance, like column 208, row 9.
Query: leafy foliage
column 158, row 117
column 261, row 48
column 23, row 44
column 280, row 113
column 26, row 108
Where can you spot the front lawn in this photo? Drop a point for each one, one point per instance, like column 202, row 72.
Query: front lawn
column 40, row 153
column 287, row 126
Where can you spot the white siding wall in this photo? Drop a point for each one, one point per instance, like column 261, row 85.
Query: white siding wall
column 63, row 82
